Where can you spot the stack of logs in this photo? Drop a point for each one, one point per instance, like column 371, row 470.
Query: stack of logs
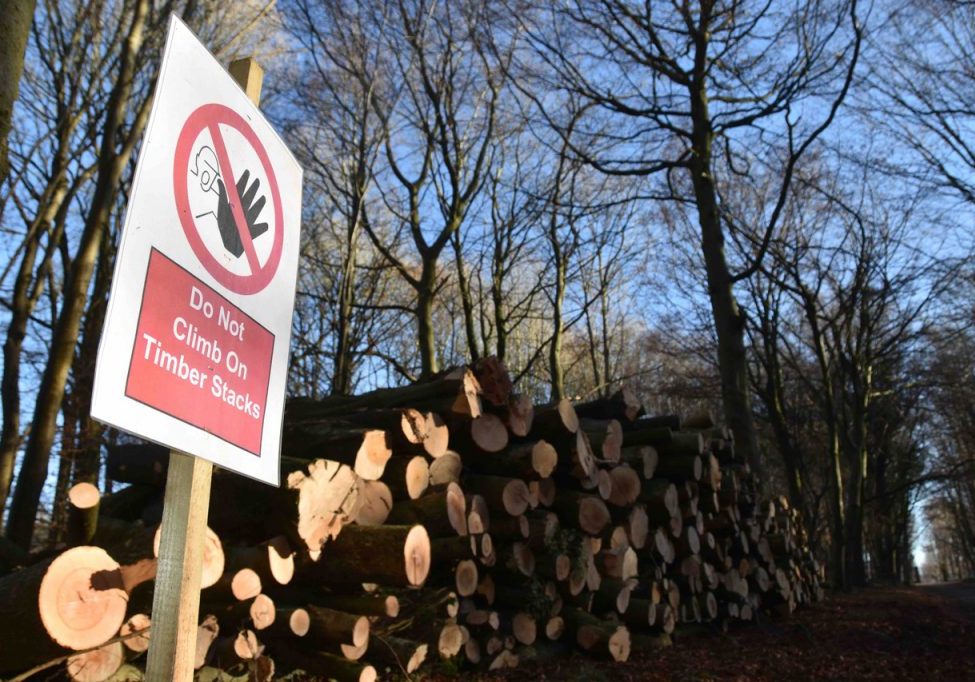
column 448, row 523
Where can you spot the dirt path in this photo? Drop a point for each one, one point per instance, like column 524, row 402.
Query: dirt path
column 960, row 596
column 889, row 633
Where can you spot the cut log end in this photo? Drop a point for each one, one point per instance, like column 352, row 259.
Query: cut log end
column 437, row 436
column 376, row 502
column 136, row 633
column 84, row 495
column 489, row 433
column 544, row 458
column 81, row 600
column 466, row 578
column 206, row 634
column 281, row 560
column 417, row 477
column 96, row 665
column 416, row 555
column 262, row 612
column 371, row 458
column 299, row 622
column 246, row 584
column 328, row 496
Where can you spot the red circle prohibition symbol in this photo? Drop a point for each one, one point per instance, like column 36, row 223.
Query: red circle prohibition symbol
column 211, row 117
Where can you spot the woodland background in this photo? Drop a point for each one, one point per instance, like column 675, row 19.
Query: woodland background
column 762, row 208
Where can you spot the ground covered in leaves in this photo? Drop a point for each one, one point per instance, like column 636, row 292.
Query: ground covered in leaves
column 878, row 633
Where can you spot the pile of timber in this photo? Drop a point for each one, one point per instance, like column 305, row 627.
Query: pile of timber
column 447, row 521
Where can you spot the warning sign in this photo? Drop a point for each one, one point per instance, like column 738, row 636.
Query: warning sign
column 230, row 209
column 199, row 358
column 194, row 353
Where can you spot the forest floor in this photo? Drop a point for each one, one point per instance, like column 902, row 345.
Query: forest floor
column 878, row 633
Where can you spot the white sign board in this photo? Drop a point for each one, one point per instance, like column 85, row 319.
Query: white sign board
column 194, row 352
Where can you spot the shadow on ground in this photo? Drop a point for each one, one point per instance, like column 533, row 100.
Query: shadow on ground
column 879, row 633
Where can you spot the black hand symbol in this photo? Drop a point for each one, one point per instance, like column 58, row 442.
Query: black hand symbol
column 252, row 209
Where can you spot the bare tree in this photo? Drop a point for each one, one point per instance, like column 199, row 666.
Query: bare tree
column 438, row 138
column 334, row 124
column 697, row 92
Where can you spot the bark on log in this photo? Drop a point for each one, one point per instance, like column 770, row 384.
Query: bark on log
column 397, row 556
column 273, row 561
column 407, row 478
column 508, row 494
column 441, row 513
column 554, row 422
column 623, row 405
column 365, row 450
column 398, row 653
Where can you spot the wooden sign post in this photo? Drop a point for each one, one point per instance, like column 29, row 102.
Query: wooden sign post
column 194, row 351
column 176, row 600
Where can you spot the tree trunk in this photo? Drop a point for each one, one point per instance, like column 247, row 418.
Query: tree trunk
column 424, row 318
column 17, row 16
column 729, row 319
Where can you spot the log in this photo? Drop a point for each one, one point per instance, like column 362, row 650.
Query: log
column 509, row 494
column 680, row 467
column 494, row 380
column 446, row 469
column 375, row 503
column 441, row 513
column 519, row 415
column 637, row 526
column 408, row 431
column 139, row 463
column 555, row 421
column 485, row 435
column 527, row 460
column 407, row 478
column 322, row 665
column 135, row 632
column 227, row 652
column 661, row 500
column 233, row 586
column 365, row 450
column 624, row 486
column 337, row 627
column 213, row 557
column 544, row 490
column 327, row 499
column 578, row 510
column 605, row 437
column 397, row 556
column 600, row 638
column 98, row 664
column 262, row 612
column 524, row 628
column 663, row 421
column 73, row 601
column 456, row 391
column 289, row 622
column 273, row 561
column 206, row 635
column 316, row 500
column 83, row 499
column 643, row 458
column 623, row 405
column 398, row 653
